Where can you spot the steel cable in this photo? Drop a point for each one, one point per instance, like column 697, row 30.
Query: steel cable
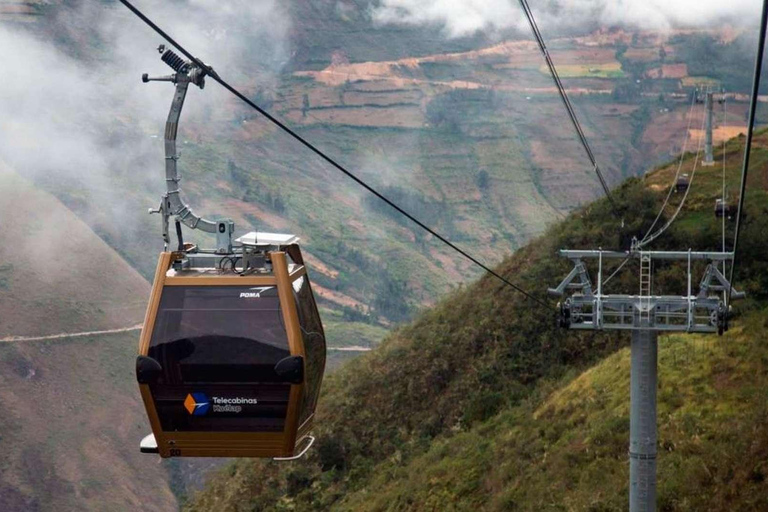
column 568, row 106
column 210, row 72
column 748, row 146
column 679, row 168
column 651, row 237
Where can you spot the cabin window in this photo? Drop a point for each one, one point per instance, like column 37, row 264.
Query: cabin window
column 314, row 346
column 219, row 334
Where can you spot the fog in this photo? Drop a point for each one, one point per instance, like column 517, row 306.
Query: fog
column 75, row 113
column 462, row 18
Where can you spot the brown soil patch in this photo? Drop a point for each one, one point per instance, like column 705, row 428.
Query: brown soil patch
column 240, row 208
column 646, row 54
column 668, row 71
column 338, row 298
column 413, row 96
column 448, row 264
column 316, row 265
column 720, row 133
column 392, row 117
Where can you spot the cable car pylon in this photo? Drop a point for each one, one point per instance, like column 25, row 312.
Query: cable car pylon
column 645, row 314
column 708, row 101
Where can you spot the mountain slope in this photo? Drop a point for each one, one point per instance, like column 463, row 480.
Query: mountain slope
column 69, row 439
column 52, row 261
column 458, row 376
column 566, row 447
column 71, row 413
column 468, row 134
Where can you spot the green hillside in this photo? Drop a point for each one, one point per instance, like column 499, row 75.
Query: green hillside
column 468, row 134
column 482, row 403
column 69, row 439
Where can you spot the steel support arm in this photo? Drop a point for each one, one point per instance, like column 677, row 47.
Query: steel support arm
column 656, row 255
column 176, row 205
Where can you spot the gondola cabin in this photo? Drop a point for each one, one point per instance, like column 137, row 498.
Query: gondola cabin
column 682, row 183
column 231, row 359
column 722, row 208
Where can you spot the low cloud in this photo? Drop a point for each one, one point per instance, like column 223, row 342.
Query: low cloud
column 75, row 113
column 463, row 18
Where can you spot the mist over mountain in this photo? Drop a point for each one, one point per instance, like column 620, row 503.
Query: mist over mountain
column 465, row 18
column 446, row 108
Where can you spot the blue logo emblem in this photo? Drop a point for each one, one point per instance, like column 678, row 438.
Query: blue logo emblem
column 197, row 404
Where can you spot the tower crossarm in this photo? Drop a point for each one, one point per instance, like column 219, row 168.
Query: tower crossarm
column 583, row 308
column 584, row 284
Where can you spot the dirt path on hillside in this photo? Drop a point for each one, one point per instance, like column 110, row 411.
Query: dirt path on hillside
column 9, row 339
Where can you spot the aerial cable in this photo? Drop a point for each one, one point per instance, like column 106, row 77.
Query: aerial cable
column 568, row 106
column 648, row 238
column 210, row 72
column 618, row 269
column 722, row 197
column 679, row 167
column 748, row 146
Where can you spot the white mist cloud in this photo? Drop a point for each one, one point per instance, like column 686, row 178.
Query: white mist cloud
column 73, row 109
column 462, row 18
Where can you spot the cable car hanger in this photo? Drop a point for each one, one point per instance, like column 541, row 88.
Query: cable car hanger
column 282, row 126
column 172, row 204
column 232, row 350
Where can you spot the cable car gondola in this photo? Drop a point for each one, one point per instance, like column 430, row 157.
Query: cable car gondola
column 682, row 183
column 723, row 208
column 232, row 351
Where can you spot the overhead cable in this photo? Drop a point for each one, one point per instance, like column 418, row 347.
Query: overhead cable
column 686, row 136
column 648, row 238
column 748, row 146
column 568, row 106
column 215, row 76
column 722, row 194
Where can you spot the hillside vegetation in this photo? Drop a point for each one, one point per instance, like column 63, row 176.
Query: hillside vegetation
column 71, row 414
column 56, row 274
column 71, row 423
column 482, row 403
column 468, row 134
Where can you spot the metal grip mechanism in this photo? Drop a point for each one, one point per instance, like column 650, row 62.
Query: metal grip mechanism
column 186, row 72
column 172, row 204
column 175, row 62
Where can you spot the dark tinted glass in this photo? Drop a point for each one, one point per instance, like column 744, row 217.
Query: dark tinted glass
column 218, row 346
column 314, row 346
column 219, row 334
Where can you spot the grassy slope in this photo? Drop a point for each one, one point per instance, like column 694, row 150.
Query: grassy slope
column 51, row 261
column 431, row 418
column 71, row 423
column 71, row 416
column 565, row 448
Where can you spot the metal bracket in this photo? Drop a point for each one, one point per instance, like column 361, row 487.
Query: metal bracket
column 163, row 211
column 706, row 283
column 311, row 441
column 172, row 203
column 580, row 271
